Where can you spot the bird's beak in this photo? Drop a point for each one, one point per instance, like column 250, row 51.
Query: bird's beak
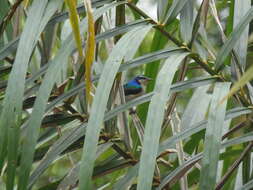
column 149, row 79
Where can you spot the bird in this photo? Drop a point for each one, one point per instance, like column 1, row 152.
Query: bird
column 134, row 87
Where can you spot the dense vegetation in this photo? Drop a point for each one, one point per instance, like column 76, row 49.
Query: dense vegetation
column 65, row 122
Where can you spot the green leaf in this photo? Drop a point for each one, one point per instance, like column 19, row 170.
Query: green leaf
column 154, row 120
column 233, row 39
column 50, row 78
column 238, row 140
column 39, row 14
column 187, row 20
column 125, row 182
column 213, row 136
column 181, row 170
column 247, row 186
column 247, row 76
column 176, row 174
column 64, row 142
column 174, row 10
column 240, row 8
column 60, row 17
column 162, row 8
column 194, row 114
column 151, row 70
column 72, row 177
column 170, row 143
column 100, row 100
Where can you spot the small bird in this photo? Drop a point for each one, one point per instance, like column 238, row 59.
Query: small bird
column 135, row 86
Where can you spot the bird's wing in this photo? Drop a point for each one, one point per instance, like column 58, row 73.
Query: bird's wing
column 130, row 89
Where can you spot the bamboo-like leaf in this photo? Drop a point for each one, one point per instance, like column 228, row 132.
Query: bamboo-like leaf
column 149, row 58
column 60, row 17
column 72, row 176
column 13, row 100
column 151, row 70
column 40, row 104
column 65, row 141
column 176, row 128
column 247, row 76
column 174, row 10
column 194, row 114
column 162, row 7
column 198, row 127
column 201, row 17
column 240, row 8
column 177, row 87
column 238, row 140
column 180, row 171
column 154, row 120
column 233, row 38
column 3, row 11
column 74, row 20
column 247, row 186
column 89, row 51
column 187, row 19
column 58, row 147
column 170, row 143
column 100, row 100
column 125, row 182
column 108, row 34
column 212, row 144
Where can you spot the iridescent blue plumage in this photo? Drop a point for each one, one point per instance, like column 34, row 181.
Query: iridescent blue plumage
column 134, row 87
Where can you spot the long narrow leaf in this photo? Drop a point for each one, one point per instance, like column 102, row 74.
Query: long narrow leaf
column 68, row 139
column 247, row 76
column 89, row 51
column 233, row 38
column 154, row 120
column 50, row 78
column 100, row 100
column 212, row 144
column 241, row 7
column 74, row 20
column 174, row 10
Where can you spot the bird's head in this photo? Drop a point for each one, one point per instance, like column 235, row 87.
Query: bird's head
column 143, row 80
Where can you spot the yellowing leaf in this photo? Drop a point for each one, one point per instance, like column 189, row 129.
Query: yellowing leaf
column 74, row 20
column 89, row 50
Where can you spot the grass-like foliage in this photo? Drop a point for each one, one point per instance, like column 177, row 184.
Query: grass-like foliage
column 66, row 123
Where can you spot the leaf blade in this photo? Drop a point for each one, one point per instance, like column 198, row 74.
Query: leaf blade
column 213, row 137
column 99, row 104
column 154, row 120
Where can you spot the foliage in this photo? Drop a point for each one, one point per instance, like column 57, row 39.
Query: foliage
column 64, row 120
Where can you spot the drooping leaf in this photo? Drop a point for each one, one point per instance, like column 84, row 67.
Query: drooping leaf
column 154, row 120
column 100, row 100
column 50, row 78
column 13, row 100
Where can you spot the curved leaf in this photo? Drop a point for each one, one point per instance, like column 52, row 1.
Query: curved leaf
column 100, row 100
column 155, row 119
column 233, row 38
column 54, row 69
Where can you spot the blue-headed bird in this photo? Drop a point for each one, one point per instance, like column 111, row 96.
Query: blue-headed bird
column 134, row 87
